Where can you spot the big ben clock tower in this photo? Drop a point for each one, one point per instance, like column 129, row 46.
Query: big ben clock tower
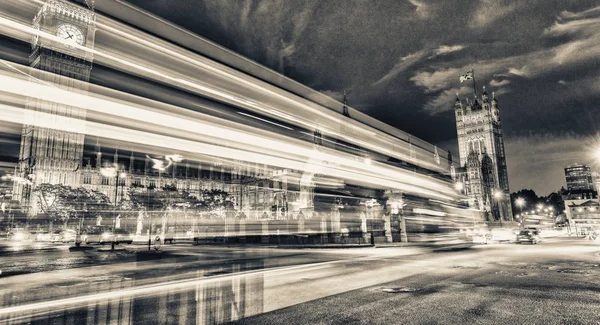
column 51, row 155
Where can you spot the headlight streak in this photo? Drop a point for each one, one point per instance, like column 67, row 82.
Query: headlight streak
column 16, row 115
column 261, row 119
column 53, row 94
column 198, row 60
column 40, row 308
column 224, row 95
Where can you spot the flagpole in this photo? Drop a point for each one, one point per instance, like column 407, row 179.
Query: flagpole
column 474, row 89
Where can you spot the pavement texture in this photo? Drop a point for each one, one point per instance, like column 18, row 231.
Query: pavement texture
column 543, row 284
column 554, row 282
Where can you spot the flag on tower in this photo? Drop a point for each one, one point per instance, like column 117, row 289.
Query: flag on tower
column 467, row 76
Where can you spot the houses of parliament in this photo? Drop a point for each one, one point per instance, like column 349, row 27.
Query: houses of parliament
column 56, row 156
column 482, row 174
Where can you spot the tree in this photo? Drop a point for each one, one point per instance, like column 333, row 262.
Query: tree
column 208, row 203
column 63, row 203
column 531, row 200
column 555, row 201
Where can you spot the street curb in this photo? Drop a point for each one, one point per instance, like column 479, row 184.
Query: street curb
column 80, row 248
column 325, row 246
column 111, row 250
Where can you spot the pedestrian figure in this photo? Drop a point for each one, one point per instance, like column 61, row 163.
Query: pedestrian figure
column 157, row 242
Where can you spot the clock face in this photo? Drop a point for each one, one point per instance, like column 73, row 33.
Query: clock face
column 70, row 33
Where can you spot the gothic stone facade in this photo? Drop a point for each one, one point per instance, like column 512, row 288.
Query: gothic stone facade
column 52, row 155
column 482, row 159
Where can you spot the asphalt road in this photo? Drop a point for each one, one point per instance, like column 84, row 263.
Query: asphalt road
column 549, row 283
column 555, row 282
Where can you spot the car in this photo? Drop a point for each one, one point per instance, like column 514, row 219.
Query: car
column 106, row 235
column 528, row 235
column 96, row 234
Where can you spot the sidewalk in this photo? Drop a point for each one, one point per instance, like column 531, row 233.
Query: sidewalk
column 325, row 246
column 398, row 244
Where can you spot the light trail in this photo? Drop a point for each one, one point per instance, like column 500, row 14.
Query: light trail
column 16, row 115
column 151, row 289
column 262, row 119
column 147, row 69
column 27, row 88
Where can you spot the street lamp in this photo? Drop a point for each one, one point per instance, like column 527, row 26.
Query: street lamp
column 597, row 153
column 114, row 172
column 159, row 165
column 459, row 186
column 520, row 202
column 499, row 195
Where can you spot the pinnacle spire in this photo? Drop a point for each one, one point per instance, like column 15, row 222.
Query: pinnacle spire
column 131, row 159
column 345, row 108
column 88, row 3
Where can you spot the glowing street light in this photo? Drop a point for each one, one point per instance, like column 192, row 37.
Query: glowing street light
column 498, row 196
column 520, row 202
column 459, row 186
column 596, row 153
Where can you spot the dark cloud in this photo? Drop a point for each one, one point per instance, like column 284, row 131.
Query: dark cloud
column 400, row 62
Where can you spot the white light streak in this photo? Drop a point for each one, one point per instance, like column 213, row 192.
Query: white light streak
column 261, row 119
column 429, row 212
column 26, row 88
column 377, row 141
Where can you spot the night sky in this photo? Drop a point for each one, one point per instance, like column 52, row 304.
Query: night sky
column 400, row 62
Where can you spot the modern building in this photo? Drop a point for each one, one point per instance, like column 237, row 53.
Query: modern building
column 579, row 177
column 482, row 173
column 583, row 215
